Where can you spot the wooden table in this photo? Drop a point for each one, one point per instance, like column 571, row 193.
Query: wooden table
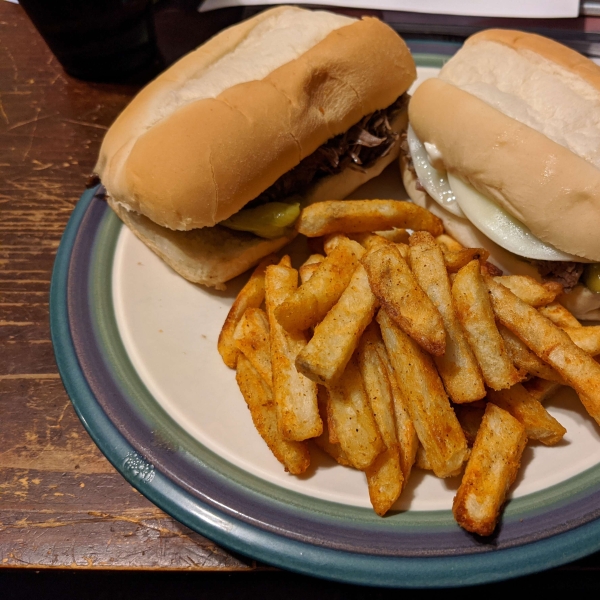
column 61, row 503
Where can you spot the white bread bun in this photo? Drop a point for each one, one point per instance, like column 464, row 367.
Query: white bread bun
column 212, row 256
column 272, row 89
column 582, row 302
column 517, row 117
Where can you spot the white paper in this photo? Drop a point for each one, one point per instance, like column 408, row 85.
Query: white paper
column 481, row 8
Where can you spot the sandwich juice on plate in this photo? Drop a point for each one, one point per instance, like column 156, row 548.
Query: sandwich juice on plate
column 503, row 146
column 209, row 164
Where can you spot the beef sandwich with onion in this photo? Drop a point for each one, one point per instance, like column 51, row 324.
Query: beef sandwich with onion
column 211, row 162
column 504, row 146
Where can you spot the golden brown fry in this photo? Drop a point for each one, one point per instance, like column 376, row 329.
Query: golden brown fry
column 587, row 338
column 551, row 344
column 434, row 420
column 252, row 339
column 474, row 310
column 323, row 441
column 457, row 366
column 295, row 395
column 384, row 476
column 421, row 460
column 449, row 243
column 310, row 265
column 559, row 315
column 294, row 456
column 541, row 389
column 333, row 216
column 491, row 470
column 408, row 442
column 525, row 359
column 251, row 295
column 308, row 305
column 529, row 290
column 353, row 419
column 334, row 240
column 285, row 261
column 336, row 337
column 457, row 259
column 405, row 302
column 538, row 422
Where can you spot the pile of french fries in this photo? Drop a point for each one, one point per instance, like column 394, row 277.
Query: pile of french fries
column 400, row 350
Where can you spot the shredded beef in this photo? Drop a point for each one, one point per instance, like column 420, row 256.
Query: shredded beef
column 564, row 272
column 363, row 144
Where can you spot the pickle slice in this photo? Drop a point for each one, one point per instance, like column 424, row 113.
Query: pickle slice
column 591, row 277
column 269, row 220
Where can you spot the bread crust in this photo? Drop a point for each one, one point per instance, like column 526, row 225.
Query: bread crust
column 546, row 186
column 192, row 169
column 553, row 51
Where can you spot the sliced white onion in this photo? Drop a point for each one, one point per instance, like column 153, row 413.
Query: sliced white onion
column 500, row 227
column 432, row 179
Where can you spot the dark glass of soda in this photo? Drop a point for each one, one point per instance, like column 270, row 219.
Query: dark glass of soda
column 97, row 40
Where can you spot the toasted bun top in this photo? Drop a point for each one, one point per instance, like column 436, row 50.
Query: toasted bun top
column 226, row 121
column 510, row 118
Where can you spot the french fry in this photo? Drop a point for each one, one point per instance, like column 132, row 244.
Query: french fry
column 421, row 460
column 525, row 359
column 294, row 456
column 295, row 395
column 252, row 339
column 336, row 337
column 434, row 420
column 538, row 422
column 457, row 259
column 541, row 389
column 551, row 344
column 408, row 441
column 587, row 338
column 308, row 305
column 491, row 470
column 310, row 265
column 323, row 441
column 405, row 302
column 384, row 476
column 529, row 290
column 474, row 310
column 339, row 216
column 559, row 315
column 334, row 240
column 353, row 419
column 251, row 296
column 449, row 243
column 457, row 366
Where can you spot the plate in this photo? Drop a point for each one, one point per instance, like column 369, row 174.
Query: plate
column 136, row 348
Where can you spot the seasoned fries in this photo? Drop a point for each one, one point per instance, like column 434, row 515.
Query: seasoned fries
column 457, row 366
column 435, row 422
column 353, row 420
column 551, row 344
column 338, row 216
column 491, row 470
column 403, row 299
column 252, row 295
column 474, row 311
column 336, row 337
column 313, row 300
column 295, row 395
column 399, row 350
column 294, row 456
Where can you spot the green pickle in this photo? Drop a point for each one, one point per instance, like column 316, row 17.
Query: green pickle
column 591, row 277
column 270, row 220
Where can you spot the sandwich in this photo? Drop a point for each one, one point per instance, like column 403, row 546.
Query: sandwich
column 211, row 162
column 504, row 146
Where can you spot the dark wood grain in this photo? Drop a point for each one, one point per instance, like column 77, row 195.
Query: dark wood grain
column 61, row 503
